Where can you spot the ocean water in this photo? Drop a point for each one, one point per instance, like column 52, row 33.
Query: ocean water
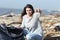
column 4, row 11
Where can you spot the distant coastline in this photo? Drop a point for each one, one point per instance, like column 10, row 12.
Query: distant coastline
column 4, row 11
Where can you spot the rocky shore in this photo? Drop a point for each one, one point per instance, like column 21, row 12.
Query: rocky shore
column 47, row 22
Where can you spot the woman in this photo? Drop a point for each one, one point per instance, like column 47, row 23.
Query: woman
column 31, row 24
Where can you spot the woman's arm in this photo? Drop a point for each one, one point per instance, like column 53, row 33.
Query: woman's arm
column 34, row 20
column 22, row 25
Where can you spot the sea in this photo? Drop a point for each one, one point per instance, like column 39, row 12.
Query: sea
column 4, row 11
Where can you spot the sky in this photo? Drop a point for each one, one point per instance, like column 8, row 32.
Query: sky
column 42, row 4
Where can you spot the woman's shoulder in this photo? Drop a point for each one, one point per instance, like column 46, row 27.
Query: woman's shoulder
column 24, row 16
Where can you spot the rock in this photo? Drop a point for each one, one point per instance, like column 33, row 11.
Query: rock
column 47, row 21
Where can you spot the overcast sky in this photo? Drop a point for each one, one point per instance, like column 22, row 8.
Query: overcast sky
column 19, row 4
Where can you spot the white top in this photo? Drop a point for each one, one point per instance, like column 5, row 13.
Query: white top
column 32, row 24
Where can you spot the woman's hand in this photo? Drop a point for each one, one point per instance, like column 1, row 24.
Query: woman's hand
column 38, row 10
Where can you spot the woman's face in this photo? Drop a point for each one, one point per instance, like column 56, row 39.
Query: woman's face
column 29, row 11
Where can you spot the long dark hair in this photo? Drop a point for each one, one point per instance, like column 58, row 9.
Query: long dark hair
column 24, row 10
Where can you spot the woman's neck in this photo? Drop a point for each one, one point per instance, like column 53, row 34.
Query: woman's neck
column 28, row 16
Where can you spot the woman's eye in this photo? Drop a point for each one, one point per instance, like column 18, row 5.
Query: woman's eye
column 28, row 10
